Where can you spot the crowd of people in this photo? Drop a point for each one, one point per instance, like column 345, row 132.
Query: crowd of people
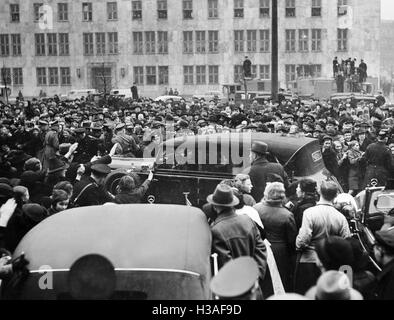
column 55, row 155
column 348, row 73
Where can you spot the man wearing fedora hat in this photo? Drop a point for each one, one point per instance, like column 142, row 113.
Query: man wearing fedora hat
column 233, row 235
column 261, row 167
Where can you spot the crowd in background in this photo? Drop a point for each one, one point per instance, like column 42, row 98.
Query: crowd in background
column 55, row 154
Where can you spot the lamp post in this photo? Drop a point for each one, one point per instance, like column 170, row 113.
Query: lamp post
column 274, row 55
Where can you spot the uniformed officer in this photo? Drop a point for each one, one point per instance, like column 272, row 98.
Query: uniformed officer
column 237, row 280
column 378, row 157
column 87, row 147
column 90, row 192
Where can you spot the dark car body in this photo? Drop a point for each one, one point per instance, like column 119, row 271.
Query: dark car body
column 193, row 166
column 159, row 252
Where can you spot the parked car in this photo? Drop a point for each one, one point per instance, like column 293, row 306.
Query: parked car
column 373, row 206
column 160, row 252
column 182, row 168
column 122, row 93
column 78, row 94
column 169, row 99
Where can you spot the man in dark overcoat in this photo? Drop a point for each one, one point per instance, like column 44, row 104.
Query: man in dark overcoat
column 260, row 169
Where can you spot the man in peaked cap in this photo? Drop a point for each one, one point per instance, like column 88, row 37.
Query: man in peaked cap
column 237, row 280
column 91, row 192
column 87, row 146
column 378, row 158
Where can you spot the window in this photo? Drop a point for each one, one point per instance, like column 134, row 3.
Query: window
column 342, row 39
column 316, row 8
column 37, row 12
column 150, row 75
column 64, row 44
column 188, row 75
column 238, row 8
column 139, row 75
column 200, row 42
column 251, row 40
column 213, row 41
column 201, row 75
column 309, row 70
column 163, row 75
column 342, row 7
column 290, row 8
column 162, row 42
column 65, row 77
column 150, row 42
column 238, row 73
column 113, row 47
column 87, row 11
column 187, row 41
column 52, row 44
column 14, row 10
column 316, row 40
column 6, row 76
column 290, row 40
column 17, row 75
column 239, row 40
column 53, row 76
column 112, row 10
column 62, row 12
column 40, row 44
column 138, row 43
column 265, row 71
column 213, row 9
column 41, row 77
column 264, row 8
column 88, row 44
column 290, row 72
column 16, row 44
column 100, row 43
column 213, row 74
column 264, row 40
column 254, row 71
column 162, row 9
column 303, row 41
column 137, row 10
column 187, row 9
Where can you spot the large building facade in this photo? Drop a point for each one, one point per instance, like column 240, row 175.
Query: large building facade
column 194, row 46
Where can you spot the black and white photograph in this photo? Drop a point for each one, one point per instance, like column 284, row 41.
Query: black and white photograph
column 195, row 151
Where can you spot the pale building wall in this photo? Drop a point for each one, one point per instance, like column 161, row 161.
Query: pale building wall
column 363, row 43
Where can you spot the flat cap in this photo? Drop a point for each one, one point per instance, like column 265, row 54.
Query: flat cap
column 101, row 168
column 236, row 278
column 43, row 122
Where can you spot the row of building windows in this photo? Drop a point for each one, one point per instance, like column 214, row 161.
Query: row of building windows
column 162, row 10
column 152, row 75
column 199, row 75
column 53, row 76
column 150, row 42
